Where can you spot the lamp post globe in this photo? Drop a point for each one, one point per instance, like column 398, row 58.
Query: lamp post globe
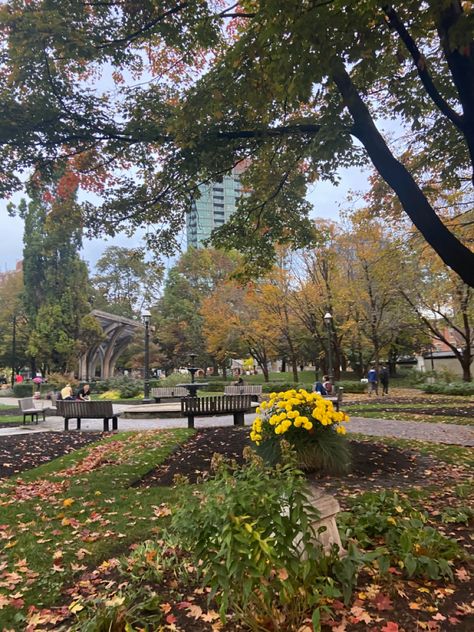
column 146, row 316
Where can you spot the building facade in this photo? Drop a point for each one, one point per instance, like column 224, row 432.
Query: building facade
column 215, row 206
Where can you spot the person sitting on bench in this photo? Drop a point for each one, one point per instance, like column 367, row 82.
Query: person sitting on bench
column 84, row 394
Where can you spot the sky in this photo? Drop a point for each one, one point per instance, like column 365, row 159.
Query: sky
column 326, row 198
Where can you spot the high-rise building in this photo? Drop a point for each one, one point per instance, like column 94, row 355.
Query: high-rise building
column 215, row 206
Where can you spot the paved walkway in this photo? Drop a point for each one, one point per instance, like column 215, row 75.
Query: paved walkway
column 422, row 431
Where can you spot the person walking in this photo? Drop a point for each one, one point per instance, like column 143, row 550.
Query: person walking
column 384, row 374
column 373, row 383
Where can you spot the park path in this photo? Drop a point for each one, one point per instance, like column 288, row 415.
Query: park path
column 419, row 430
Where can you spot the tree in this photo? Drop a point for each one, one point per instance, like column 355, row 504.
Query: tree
column 56, row 291
column 179, row 328
column 12, row 317
column 297, row 88
column 125, row 281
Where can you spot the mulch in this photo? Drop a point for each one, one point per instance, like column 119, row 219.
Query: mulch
column 374, row 464
column 24, row 452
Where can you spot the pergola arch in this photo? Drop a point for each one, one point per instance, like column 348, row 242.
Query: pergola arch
column 119, row 332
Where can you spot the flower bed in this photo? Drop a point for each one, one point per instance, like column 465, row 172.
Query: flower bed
column 310, row 423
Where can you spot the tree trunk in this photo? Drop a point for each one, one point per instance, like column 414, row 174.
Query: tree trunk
column 224, row 370
column 294, row 368
column 466, row 360
column 283, row 365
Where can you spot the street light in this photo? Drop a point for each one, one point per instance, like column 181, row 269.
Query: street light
column 146, row 319
column 328, row 321
column 13, row 350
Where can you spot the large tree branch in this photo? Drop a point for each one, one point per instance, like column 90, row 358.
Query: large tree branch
column 422, row 68
column 461, row 65
column 127, row 39
column 414, row 202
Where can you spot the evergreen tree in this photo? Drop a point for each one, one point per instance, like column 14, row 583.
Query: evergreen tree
column 56, row 294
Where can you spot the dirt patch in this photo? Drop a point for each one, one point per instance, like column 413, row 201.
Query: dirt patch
column 373, row 464
column 23, row 452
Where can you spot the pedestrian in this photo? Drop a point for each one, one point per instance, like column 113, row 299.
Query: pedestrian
column 384, row 373
column 372, row 380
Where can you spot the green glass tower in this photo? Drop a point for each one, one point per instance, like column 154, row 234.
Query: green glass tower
column 215, row 206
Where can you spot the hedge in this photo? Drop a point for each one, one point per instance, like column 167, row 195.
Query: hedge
column 455, row 388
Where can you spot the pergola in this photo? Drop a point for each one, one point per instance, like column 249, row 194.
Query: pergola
column 119, row 332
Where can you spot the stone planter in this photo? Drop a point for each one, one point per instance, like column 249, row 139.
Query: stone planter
column 328, row 508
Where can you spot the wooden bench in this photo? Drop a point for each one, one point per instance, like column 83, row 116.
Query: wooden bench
column 256, row 391
column 75, row 409
column 168, row 392
column 335, row 399
column 235, row 405
column 28, row 408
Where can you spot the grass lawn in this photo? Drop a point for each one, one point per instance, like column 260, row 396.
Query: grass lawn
column 76, row 510
column 458, row 411
column 451, row 454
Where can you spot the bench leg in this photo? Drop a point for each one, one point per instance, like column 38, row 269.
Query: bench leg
column 239, row 419
column 106, row 424
column 37, row 418
column 66, row 423
column 24, row 419
column 114, row 423
column 78, row 423
column 190, row 421
column 157, row 400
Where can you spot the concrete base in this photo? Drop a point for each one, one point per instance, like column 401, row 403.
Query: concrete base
column 328, row 508
column 153, row 411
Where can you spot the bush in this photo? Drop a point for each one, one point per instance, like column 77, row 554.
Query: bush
column 277, row 387
column 24, row 389
column 128, row 391
column 351, row 386
column 216, row 386
column 175, row 378
column 455, row 388
column 310, row 424
column 251, row 530
column 386, row 518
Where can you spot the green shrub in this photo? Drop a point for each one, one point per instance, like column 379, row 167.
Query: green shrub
column 24, row 390
column 454, row 388
column 386, row 518
column 277, row 387
column 216, row 386
column 352, row 386
column 175, row 378
column 251, row 530
column 132, row 389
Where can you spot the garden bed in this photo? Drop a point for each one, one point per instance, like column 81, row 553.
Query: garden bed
column 394, row 605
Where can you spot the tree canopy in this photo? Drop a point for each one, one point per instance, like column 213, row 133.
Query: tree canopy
column 142, row 101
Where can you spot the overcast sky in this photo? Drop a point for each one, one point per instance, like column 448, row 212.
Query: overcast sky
column 325, row 197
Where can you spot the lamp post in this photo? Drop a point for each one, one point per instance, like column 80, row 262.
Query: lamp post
column 431, row 357
column 146, row 319
column 328, row 322
column 13, row 350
